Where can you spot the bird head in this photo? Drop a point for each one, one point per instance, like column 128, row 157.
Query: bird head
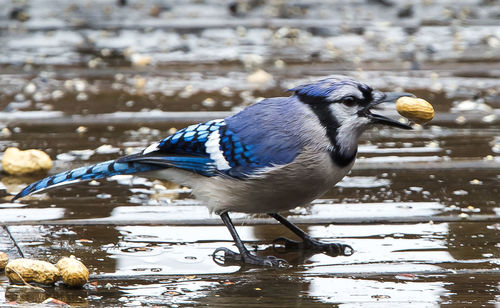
column 341, row 101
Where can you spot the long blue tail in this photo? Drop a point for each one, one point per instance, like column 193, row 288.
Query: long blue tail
column 97, row 171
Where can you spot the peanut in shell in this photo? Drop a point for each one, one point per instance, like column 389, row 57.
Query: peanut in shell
column 4, row 259
column 17, row 162
column 415, row 109
column 31, row 271
column 73, row 272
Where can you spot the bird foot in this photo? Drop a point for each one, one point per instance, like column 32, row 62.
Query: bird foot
column 247, row 258
column 332, row 249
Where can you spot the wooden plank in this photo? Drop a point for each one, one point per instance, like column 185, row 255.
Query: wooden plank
column 368, row 274
column 257, row 221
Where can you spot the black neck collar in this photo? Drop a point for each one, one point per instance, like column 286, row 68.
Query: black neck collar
column 321, row 109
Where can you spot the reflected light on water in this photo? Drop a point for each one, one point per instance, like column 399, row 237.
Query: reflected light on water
column 353, row 292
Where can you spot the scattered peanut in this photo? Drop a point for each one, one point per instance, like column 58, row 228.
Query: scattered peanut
column 31, row 271
column 73, row 272
column 17, row 162
column 4, row 259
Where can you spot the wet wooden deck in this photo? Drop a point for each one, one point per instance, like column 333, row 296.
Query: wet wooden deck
column 418, row 256
column 420, row 208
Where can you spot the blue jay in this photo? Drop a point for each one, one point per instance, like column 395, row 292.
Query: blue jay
column 273, row 156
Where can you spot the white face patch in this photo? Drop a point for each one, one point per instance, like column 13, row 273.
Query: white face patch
column 342, row 112
column 212, row 146
column 351, row 126
column 349, row 132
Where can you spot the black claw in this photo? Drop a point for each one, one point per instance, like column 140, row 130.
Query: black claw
column 287, row 243
column 347, row 250
column 228, row 254
column 308, row 243
column 333, row 249
column 248, row 258
column 227, row 257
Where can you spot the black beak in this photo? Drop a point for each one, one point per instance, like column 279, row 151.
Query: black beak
column 385, row 97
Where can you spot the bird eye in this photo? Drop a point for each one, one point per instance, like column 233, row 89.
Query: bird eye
column 349, row 101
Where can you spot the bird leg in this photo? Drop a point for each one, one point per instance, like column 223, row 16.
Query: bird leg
column 333, row 249
column 244, row 256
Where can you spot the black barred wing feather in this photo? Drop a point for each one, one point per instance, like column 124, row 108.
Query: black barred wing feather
column 209, row 149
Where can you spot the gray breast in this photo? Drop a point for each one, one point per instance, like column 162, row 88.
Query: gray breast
column 280, row 188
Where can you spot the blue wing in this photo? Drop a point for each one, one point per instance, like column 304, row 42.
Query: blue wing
column 267, row 133
column 219, row 147
column 186, row 149
column 208, row 149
